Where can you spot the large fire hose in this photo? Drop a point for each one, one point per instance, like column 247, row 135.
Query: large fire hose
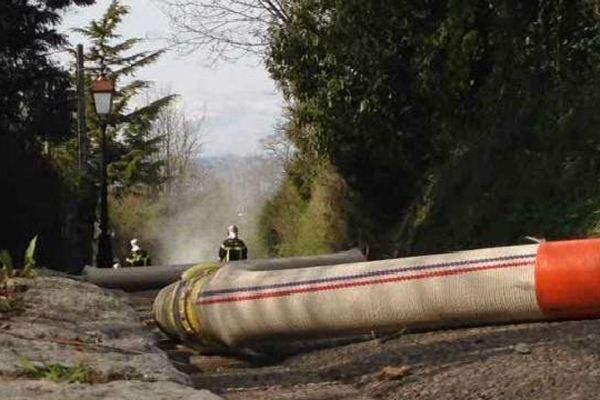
column 158, row 276
column 231, row 307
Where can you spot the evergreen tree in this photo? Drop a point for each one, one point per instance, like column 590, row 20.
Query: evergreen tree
column 35, row 109
column 132, row 145
column 33, row 89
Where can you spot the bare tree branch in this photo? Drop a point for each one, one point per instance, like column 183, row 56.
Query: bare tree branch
column 226, row 29
column 278, row 147
column 181, row 145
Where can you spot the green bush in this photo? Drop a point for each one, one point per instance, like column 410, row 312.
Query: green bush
column 473, row 204
column 10, row 287
column 315, row 222
column 29, row 263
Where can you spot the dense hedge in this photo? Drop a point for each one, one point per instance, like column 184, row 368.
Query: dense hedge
column 453, row 123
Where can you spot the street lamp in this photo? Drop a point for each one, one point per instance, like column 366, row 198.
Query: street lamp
column 103, row 90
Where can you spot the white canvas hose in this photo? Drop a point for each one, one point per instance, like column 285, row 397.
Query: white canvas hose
column 230, row 307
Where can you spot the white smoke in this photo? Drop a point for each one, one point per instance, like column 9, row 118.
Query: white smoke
column 223, row 191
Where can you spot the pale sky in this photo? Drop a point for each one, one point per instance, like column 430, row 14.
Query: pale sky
column 241, row 102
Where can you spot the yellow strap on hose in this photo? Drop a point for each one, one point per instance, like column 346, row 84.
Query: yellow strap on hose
column 164, row 309
column 199, row 271
column 194, row 281
column 171, row 307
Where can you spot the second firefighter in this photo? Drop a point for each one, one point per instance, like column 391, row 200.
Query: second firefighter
column 233, row 248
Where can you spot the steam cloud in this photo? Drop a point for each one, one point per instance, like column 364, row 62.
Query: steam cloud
column 223, row 191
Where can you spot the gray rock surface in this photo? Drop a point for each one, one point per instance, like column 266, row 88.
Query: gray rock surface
column 73, row 323
column 122, row 390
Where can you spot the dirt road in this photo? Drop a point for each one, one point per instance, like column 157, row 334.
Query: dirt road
column 529, row 361
column 558, row 360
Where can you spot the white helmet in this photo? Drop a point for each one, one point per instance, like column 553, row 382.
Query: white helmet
column 135, row 246
column 232, row 231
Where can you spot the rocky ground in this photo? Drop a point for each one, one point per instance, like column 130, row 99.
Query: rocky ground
column 88, row 338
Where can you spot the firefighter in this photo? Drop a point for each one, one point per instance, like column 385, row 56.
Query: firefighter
column 233, row 248
column 138, row 256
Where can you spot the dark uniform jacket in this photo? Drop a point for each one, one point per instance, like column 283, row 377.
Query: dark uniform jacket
column 138, row 258
column 233, row 250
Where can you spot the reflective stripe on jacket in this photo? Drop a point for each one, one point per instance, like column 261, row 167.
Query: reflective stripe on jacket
column 233, row 250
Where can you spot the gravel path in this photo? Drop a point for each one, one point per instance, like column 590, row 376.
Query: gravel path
column 559, row 360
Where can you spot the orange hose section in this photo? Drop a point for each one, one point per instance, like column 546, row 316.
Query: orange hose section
column 567, row 277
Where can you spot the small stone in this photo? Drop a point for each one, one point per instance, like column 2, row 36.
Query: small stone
column 522, row 348
column 394, row 373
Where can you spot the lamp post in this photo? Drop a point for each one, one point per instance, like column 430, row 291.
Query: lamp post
column 102, row 90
